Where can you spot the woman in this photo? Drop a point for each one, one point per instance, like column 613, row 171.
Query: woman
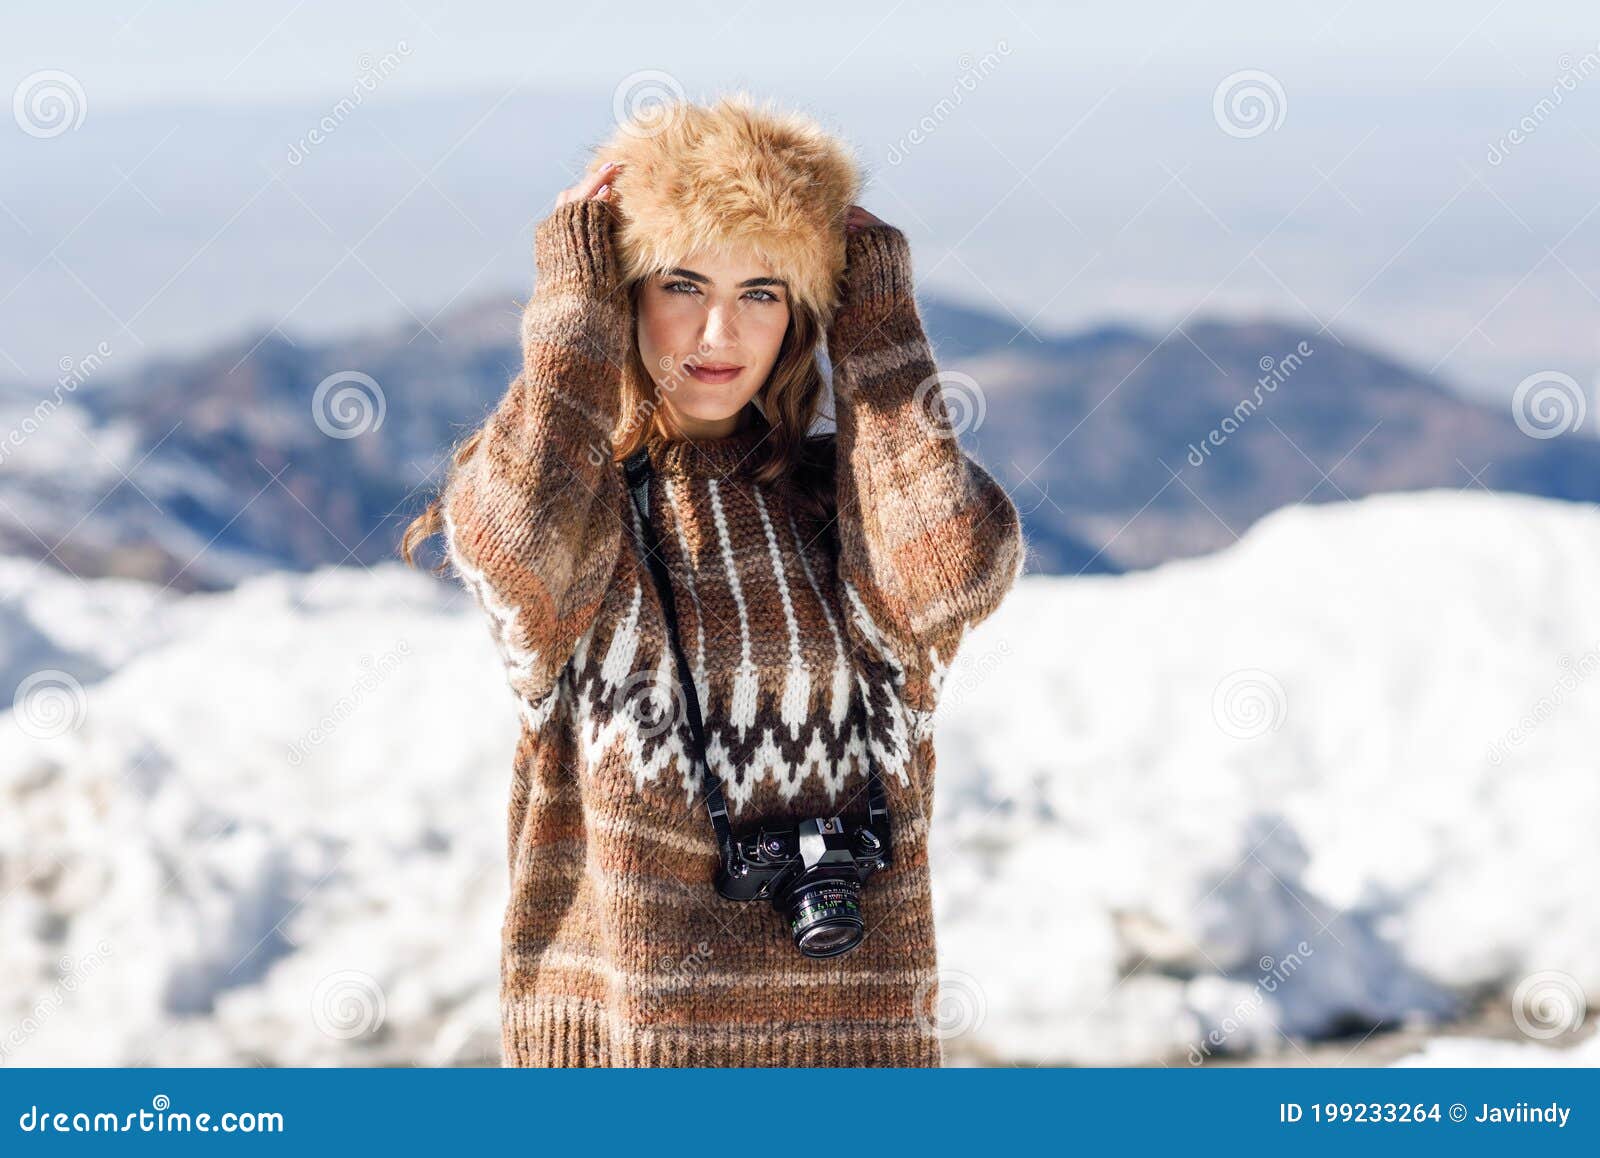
column 820, row 587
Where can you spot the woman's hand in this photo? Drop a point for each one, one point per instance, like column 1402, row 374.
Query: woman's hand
column 858, row 218
column 595, row 186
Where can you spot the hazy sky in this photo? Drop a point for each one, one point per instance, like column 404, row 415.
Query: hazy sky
column 1063, row 166
column 285, row 50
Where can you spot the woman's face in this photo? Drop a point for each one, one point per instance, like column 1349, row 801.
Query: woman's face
column 709, row 333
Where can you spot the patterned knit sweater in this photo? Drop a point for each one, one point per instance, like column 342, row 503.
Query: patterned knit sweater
column 809, row 645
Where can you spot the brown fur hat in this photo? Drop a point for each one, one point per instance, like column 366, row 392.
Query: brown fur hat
column 734, row 175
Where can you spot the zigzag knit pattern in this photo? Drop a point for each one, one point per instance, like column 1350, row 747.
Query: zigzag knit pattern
column 813, row 648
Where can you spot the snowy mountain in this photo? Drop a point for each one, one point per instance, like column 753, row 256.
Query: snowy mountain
column 1121, row 448
column 1337, row 776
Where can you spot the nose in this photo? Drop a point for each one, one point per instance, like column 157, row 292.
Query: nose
column 721, row 330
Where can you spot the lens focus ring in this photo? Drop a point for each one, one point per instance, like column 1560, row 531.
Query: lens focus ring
column 825, row 916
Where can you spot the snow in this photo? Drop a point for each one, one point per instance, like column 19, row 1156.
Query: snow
column 1468, row 1051
column 1340, row 773
column 1172, row 779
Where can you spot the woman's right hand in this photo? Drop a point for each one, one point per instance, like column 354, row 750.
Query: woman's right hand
column 573, row 246
column 596, row 186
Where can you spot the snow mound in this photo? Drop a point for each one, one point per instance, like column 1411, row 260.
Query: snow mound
column 1338, row 775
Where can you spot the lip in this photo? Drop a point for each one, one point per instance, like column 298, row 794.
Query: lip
column 714, row 372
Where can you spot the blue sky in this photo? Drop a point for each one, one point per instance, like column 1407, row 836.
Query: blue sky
column 285, row 50
column 1062, row 165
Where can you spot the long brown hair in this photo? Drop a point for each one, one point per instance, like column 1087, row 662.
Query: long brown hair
column 791, row 399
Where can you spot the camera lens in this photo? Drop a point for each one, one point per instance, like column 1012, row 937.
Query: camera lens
column 825, row 916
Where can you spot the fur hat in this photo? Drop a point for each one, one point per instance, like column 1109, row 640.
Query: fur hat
column 728, row 175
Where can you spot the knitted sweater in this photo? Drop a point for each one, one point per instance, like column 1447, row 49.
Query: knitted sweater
column 809, row 645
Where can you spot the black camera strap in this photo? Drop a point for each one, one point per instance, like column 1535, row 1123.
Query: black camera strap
column 637, row 470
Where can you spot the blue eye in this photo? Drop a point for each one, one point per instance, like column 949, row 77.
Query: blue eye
column 689, row 287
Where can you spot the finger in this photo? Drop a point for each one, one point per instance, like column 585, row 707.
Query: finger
column 590, row 185
column 592, row 182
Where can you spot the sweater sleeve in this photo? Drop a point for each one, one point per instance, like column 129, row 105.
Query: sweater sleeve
column 929, row 542
column 534, row 515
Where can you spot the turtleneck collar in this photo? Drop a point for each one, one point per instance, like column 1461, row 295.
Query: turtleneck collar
column 735, row 454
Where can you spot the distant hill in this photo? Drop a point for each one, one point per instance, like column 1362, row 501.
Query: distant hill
column 201, row 471
column 1140, row 445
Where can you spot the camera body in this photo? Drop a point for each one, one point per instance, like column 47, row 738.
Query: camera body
column 812, row 872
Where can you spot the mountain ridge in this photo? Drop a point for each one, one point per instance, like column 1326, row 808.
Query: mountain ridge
column 229, row 464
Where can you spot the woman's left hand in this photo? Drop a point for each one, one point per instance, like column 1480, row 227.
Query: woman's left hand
column 858, row 218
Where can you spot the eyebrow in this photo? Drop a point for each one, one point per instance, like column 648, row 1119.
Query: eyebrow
column 700, row 277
